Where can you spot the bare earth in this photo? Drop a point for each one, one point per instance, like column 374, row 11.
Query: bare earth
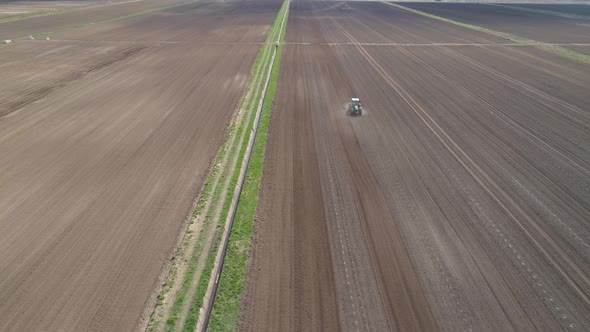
column 8, row 9
column 513, row 19
column 459, row 201
column 43, row 24
column 104, row 143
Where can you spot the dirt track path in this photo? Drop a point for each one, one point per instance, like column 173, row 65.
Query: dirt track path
column 458, row 202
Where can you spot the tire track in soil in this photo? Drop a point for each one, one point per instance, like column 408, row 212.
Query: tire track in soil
column 441, row 133
column 484, row 181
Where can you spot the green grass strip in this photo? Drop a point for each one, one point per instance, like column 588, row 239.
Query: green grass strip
column 262, row 63
column 180, row 298
column 197, row 301
column 226, row 309
column 215, row 196
column 559, row 50
column 249, row 104
column 208, row 193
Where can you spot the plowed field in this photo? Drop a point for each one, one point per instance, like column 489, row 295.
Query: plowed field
column 460, row 199
column 547, row 25
column 12, row 8
column 104, row 144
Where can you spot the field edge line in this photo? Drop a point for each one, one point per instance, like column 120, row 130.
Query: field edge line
column 151, row 319
column 247, row 199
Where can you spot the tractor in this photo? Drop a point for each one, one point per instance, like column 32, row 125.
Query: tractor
column 355, row 108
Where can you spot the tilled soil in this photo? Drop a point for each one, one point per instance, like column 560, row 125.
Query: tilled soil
column 575, row 9
column 197, row 22
column 580, row 49
column 100, row 163
column 18, row 8
column 533, row 25
column 36, row 25
column 458, row 201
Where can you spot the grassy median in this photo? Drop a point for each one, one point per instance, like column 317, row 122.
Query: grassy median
column 217, row 194
column 226, row 308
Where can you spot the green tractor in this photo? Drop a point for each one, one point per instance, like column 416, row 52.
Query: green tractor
column 355, row 108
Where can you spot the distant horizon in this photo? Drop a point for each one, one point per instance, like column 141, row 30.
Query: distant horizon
column 561, row 2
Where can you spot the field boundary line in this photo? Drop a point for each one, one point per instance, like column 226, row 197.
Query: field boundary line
column 190, row 240
column 184, row 280
column 210, row 296
column 549, row 47
column 220, row 201
column 179, row 299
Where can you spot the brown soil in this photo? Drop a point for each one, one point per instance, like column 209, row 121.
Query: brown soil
column 36, row 25
column 103, row 147
column 575, row 9
column 580, row 49
column 533, row 25
column 198, row 22
column 458, row 201
column 23, row 8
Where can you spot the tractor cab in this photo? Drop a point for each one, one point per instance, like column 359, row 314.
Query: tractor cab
column 355, row 108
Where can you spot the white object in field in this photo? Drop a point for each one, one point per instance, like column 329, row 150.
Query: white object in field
column 31, row 37
column 47, row 38
column 7, row 41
